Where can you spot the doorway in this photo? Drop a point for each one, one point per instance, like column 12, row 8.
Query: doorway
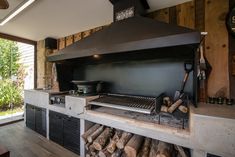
column 17, row 73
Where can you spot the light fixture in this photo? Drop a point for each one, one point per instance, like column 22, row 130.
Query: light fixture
column 96, row 56
column 16, row 11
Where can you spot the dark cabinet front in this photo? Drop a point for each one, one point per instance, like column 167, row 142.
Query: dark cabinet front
column 36, row 119
column 72, row 134
column 30, row 116
column 40, row 121
column 56, row 127
column 65, row 131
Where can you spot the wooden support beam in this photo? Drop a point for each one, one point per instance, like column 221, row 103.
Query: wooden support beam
column 216, row 45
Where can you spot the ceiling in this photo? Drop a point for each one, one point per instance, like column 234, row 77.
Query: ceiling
column 59, row 18
column 12, row 5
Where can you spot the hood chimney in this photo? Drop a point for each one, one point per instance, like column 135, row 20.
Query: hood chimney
column 123, row 9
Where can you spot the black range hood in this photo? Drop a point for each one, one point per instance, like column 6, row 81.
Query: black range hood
column 131, row 34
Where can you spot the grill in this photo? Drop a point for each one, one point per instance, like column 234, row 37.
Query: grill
column 139, row 104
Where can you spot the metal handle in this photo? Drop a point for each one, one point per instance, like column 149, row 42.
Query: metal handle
column 188, row 67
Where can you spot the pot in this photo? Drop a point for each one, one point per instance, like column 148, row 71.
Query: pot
column 87, row 87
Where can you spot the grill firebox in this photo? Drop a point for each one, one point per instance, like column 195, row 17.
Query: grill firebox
column 140, row 104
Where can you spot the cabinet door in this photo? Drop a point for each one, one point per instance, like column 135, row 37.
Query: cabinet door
column 30, row 116
column 40, row 120
column 56, row 127
column 72, row 134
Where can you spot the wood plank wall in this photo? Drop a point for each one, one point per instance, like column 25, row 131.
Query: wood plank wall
column 232, row 58
column 216, row 45
column 203, row 15
column 66, row 41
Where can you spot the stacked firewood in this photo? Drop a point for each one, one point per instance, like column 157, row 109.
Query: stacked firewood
column 170, row 107
column 104, row 141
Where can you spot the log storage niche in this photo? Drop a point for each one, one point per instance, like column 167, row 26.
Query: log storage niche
column 110, row 142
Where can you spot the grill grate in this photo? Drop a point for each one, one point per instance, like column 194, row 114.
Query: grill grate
column 139, row 104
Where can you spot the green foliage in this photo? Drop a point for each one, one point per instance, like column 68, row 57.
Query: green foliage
column 9, row 57
column 10, row 93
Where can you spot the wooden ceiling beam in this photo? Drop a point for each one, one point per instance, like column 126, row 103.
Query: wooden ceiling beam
column 18, row 39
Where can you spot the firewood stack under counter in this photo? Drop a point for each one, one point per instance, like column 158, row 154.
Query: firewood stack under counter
column 103, row 141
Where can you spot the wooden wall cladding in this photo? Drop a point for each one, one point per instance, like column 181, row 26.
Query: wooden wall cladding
column 185, row 14
column 69, row 40
column 216, row 44
column 172, row 15
column 86, row 33
column 96, row 29
column 200, row 15
column 77, row 37
column 233, row 65
column 160, row 15
column 232, row 58
column 66, row 41
column 61, row 43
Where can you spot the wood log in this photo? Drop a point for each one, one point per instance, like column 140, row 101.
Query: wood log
column 144, row 152
column 95, row 134
column 90, row 131
column 117, row 153
column 164, row 149
column 92, row 148
column 126, row 136
column 180, row 150
column 167, row 101
column 183, row 108
column 94, row 153
column 132, row 147
column 123, row 154
column 112, row 144
column 164, row 108
column 153, row 148
column 87, row 145
column 102, row 139
column 175, row 106
column 88, row 155
column 104, row 153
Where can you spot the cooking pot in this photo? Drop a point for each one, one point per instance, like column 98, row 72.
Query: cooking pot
column 87, row 87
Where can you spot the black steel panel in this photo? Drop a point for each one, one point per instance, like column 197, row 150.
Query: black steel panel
column 148, row 78
column 64, row 76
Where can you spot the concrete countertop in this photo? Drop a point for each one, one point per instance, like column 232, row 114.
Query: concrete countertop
column 43, row 91
column 214, row 110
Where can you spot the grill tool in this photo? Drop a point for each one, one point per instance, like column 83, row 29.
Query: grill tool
column 188, row 67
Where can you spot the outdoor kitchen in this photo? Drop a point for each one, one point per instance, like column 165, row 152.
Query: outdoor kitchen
column 132, row 90
column 148, row 84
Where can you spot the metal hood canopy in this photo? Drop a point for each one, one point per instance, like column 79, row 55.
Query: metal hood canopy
column 132, row 34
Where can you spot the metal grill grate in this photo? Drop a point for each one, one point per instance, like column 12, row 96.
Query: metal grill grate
column 126, row 102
